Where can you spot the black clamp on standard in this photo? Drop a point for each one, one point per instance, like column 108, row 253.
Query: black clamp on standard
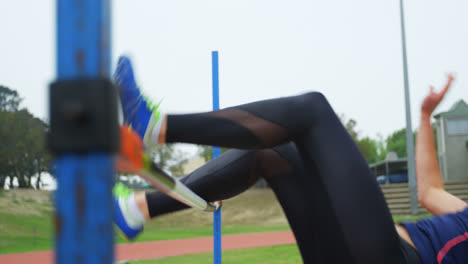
column 83, row 116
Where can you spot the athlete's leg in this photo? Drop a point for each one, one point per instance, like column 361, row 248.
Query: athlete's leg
column 224, row 177
column 363, row 220
column 306, row 208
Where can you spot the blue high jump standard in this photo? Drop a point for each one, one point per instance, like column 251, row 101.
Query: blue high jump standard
column 81, row 104
column 216, row 152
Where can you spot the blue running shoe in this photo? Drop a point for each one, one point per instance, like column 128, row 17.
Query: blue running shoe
column 122, row 216
column 139, row 112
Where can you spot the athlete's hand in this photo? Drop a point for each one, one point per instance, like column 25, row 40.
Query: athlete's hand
column 433, row 98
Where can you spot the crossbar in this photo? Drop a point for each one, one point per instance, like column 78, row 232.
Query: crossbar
column 167, row 184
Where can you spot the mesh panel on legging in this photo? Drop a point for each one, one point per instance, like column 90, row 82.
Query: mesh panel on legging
column 363, row 224
column 248, row 130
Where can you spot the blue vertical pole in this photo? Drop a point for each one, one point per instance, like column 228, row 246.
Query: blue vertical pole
column 216, row 152
column 83, row 199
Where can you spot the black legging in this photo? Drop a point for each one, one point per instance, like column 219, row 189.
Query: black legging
column 331, row 199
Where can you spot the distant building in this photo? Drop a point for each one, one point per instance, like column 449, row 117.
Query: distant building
column 391, row 170
column 452, row 142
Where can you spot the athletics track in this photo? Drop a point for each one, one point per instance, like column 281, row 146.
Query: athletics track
column 160, row 249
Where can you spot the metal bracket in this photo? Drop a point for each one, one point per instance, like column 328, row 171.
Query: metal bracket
column 83, row 116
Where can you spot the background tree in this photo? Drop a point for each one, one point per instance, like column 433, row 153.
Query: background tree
column 350, row 126
column 177, row 170
column 369, row 149
column 396, row 142
column 22, row 148
column 169, row 157
column 4, row 142
column 9, row 102
column 9, row 99
column 27, row 152
column 206, row 152
column 381, row 148
column 40, row 159
column 372, row 150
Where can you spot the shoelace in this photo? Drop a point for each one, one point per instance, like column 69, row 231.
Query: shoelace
column 149, row 103
column 121, row 190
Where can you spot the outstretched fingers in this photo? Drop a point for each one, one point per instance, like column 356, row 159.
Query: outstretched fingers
column 450, row 79
column 434, row 98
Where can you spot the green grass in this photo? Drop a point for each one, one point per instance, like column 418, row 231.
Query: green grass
column 24, row 233
column 410, row 218
column 284, row 254
column 23, row 211
column 19, row 236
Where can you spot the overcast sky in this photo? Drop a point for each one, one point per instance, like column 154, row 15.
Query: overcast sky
column 349, row 50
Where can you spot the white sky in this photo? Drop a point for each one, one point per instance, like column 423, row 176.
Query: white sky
column 349, row 50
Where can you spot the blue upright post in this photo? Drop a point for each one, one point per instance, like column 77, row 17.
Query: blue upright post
column 216, row 152
column 83, row 222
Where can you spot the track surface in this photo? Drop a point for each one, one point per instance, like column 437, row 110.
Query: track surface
column 160, row 249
